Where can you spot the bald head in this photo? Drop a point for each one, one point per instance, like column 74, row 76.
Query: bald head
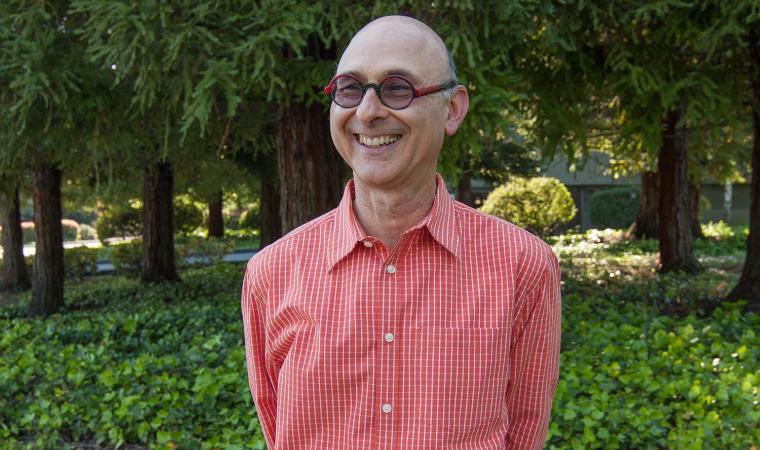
column 410, row 32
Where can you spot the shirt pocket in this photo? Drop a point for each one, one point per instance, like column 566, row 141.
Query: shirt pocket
column 461, row 378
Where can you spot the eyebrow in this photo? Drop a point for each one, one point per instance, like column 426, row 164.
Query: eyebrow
column 400, row 72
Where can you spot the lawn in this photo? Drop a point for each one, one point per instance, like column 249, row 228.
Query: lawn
column 648, row 361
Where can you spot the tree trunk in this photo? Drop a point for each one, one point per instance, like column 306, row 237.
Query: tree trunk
column 215, row 217
column 647, row 224
column 14, row 276
column 694, row 224
column 464, row 189
column 269, row 209
column 675, row 229
column 158, row 263
column 47, row 285
column 748, row 287
column 309, row 165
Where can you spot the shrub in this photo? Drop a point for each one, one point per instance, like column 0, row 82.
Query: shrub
column 198, row 250
column 614, row 207
column 127, row 220
column 80, row 261
column 241, row 234
column 188, row 215
column 251, row 218
column 538, row 204
column 70, row 229
column 86, row 232
column 718, row 231
column 119, row 221
column 127, row 257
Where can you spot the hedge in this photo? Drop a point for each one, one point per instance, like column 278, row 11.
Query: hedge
column 163, row 366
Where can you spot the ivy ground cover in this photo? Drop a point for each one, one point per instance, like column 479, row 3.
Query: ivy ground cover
column 648, row 361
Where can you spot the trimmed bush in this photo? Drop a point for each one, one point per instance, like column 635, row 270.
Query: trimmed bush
column 86, row 232
column 127, row 220
column 119, row 221
column 196, row 250
column 188, row 215
column 70, row 229
column 251, row 218
column 538, row 204
column 80, row 261
column 614, row 207
column 127, row 258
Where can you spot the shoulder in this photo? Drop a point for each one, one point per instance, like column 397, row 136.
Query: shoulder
column 530, row 255
column 498, row 232
column 310, row 235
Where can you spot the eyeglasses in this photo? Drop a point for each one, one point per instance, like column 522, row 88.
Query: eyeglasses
column 394, row 91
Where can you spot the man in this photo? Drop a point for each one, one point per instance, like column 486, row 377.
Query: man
column 401, row 319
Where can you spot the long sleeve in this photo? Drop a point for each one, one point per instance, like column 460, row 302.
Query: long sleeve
column 534, row 360
column 254, row 324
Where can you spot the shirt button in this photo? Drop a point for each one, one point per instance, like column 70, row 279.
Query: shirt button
column 391, row 268
column 388, row 337
column 387, row 408
column 367, row 244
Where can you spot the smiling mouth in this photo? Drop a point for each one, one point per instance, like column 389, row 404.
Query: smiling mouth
column 377, row 141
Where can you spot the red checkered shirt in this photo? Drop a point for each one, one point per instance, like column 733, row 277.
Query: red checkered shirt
column 450, row 340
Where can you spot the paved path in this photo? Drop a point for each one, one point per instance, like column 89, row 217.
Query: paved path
column 105, row 267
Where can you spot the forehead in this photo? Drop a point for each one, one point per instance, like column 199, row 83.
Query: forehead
column 384, row 49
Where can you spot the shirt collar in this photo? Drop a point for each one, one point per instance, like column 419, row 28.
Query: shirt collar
column 440, row 222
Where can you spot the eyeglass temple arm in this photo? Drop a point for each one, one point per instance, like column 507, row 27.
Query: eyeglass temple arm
column 431, row 89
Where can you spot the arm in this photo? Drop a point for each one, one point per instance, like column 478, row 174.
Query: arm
column 534, row 359
column 254, row 320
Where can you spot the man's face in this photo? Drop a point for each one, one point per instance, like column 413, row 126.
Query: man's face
column 407, row 141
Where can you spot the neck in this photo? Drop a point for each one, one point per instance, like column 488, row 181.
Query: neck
column 387, row 214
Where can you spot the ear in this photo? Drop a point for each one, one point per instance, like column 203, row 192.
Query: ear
column 458, row 106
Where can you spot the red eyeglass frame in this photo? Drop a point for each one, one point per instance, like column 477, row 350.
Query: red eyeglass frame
column 416, row 93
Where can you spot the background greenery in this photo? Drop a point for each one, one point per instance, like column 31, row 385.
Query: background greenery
column 647, row 361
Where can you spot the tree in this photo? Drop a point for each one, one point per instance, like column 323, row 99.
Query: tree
column 748, row 286
column 49, row 92
column 14, row 274
column 645, row 63
column 675, row 216
column 496, row 162
column 647, row 222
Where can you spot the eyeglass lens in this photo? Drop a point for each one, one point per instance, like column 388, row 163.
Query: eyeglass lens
column 395, row 92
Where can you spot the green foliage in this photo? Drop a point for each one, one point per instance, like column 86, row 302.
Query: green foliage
column 721, row 231
column 126, row 257
column 86, row 232
column 121, row 221
column 538, row 204
column 721, row 239
column 162, row 365
column 198, row 250
column 80, row 261
column 126, row 219
column 250, row 219
column 632, row 379
column 70, row 229
column 614, row 207
column 188, row 215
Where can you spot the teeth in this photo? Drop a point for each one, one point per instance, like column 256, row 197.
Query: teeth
column 378, row 140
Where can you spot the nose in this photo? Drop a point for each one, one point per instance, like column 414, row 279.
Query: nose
column 371, row 108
